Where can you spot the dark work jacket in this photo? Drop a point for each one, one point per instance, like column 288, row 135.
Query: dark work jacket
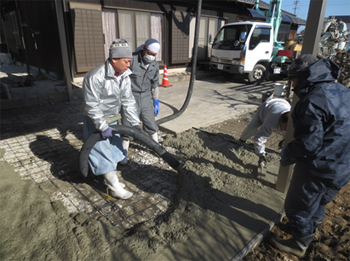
column 143, row 79
column 321, row 119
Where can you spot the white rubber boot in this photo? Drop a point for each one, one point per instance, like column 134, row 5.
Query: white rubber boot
column 125, row 144
column 155, row 136
column 112, row 182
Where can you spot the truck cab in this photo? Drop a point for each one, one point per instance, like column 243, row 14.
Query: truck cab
column 243, row 48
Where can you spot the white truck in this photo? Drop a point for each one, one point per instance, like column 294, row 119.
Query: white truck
column 251, row 47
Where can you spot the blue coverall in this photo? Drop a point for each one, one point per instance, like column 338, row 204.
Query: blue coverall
column 321, row 147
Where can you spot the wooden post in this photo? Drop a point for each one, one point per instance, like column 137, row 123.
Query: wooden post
column 285, row 173
column 64, row 51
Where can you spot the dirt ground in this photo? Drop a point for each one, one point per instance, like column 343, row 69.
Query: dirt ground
column 332, row 240
column 35, row 228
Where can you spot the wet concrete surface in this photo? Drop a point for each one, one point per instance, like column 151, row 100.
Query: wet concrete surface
column 42, row 142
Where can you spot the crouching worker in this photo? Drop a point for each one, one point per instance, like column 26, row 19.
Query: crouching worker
column 105, row 89
column 144, row 85
column 271, row 116
column 320, row 149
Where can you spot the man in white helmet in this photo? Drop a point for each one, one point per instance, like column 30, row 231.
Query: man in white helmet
column 144, row 84
column 106, row 88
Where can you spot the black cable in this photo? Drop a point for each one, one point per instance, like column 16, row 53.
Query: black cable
column 193, row 70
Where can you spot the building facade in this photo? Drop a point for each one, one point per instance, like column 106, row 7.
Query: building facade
column 32, row 31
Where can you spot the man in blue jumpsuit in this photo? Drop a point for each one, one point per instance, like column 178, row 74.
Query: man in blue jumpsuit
column 105, row 89
column 144, row 84
column 320, row 149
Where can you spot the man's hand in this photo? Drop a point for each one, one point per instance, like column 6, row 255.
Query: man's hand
column 281, row 144
column 156, row 107
column 283, row 154
column 262, row 162
column 285, row 161
column 107, row 133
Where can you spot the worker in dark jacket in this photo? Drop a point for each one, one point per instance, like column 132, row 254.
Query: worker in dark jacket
column 320, row 149
column 144, row 85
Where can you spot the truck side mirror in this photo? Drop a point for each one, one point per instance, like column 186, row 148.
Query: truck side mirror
column 242, row 37
column 210, row 39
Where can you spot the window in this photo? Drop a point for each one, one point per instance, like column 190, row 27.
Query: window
column 228, row 37
column 259, row 35
column 137, row 27
column 126, row 25
column 208, row 29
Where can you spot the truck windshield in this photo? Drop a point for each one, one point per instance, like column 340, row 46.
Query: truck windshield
column 228, row 37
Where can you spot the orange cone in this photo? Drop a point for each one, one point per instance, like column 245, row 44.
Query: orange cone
column 165, row 83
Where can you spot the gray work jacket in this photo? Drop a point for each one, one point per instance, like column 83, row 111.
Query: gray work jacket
column 104, row 94
column 144, row 79
column 269, row 114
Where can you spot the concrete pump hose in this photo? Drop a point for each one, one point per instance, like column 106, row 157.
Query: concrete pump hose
column 193, row 70
column 128, row 131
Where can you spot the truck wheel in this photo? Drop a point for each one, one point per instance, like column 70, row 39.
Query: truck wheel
column 258, row 74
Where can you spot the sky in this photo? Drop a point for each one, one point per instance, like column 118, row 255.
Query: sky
column 334, row 7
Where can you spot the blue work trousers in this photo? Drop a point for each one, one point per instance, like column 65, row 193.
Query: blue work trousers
column 306, row 201
column 106, row 153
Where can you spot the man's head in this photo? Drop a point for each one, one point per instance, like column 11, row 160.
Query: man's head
column 150, row 50
column 299, row 69
column 120, row 55
column 340, row 21
column 284, row 120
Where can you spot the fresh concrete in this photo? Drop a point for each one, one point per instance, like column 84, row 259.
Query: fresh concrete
column 213, row 100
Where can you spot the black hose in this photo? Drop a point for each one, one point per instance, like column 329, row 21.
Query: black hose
column 193, row 70
column 129, row 131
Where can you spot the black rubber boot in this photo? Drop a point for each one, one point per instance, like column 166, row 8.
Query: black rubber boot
column 288, row 246
column 296, row 245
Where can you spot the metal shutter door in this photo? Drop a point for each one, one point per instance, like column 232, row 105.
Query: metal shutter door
column 180, row 37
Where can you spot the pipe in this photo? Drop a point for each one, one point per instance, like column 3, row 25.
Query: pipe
column 193, row 70
column 128, row 131
column 258, row 9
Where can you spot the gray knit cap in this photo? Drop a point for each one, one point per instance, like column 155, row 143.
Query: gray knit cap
column 120, row 49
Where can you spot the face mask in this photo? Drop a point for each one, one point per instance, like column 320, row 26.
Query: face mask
column 148, row 58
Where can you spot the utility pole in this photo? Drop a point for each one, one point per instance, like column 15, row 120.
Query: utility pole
column 295, row 8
